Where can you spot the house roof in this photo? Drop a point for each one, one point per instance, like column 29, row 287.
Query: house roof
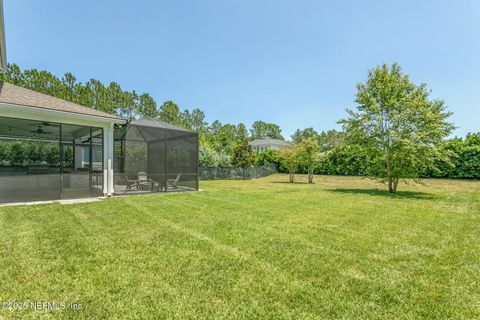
column 269, row 141
column 154, row 123
column 12, row 94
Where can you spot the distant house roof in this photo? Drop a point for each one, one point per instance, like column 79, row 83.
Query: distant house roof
column 12, row 94
column 149, row 122
column 269, row 141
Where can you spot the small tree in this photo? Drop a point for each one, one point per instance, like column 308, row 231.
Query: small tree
column 267, row 157
column 309, row 155
column 224, row 160
column 290, row 160
column 243, row 156
column 397, row 125
column 208, row 157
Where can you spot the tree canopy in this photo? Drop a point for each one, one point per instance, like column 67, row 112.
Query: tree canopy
column 262, row 129
column 326, row 139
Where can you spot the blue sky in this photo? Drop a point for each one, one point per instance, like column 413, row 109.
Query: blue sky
column 294, row 63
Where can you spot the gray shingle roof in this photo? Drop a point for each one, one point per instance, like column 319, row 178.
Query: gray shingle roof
column 149, row 122
column 12, row 94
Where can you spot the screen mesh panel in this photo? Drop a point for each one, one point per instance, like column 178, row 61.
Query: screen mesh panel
column 152, row 158
column 47, row 161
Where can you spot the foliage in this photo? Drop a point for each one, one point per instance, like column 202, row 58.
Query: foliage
column 454, row 158
column 290, row 160
column 4, row 152
column 346, row 160
column 20, row 153
column 243, row 155
column 224, row 160
column 210, row 158
column 300, row 135
column 262, row 129
column 169, row 112
column 179, row 158
column 136, row 157
column 224, row 137
column 309, row 155
column 326, row 139
column 113, row 99
column 397, row 125
column 463, row 161
column 268, row 157
column 207, row 157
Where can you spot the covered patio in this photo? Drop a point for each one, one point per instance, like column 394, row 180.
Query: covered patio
column 154, row 156
column 53, row 149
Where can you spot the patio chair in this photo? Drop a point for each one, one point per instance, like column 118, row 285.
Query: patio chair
column 129, row 183
column 143, row 181
column 174, row 182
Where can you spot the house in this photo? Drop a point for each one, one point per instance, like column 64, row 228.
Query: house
column 51, row 148
column 54, row 149
column 264, row 144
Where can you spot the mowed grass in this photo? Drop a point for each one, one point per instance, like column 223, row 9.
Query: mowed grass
column 263, row 249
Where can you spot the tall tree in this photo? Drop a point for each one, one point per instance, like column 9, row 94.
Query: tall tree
column 300, row 135
column 226, row 138
column 194, row 120
column 397, row 125
column 330, row 139
column 170, row 113
column 147, row 106
column 242, row 132
column 262, row 129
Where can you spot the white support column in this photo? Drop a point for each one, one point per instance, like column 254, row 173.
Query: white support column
column 105, row 161
column 108, row 160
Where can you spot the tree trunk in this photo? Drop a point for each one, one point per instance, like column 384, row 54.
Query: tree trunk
column 291, row 176
column 391, row 186
column 310, row 174
column 395, row 184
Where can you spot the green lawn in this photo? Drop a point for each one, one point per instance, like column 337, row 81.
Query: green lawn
column 340, row 248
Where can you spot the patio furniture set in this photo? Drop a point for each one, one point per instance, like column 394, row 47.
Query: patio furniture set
column 144, row 183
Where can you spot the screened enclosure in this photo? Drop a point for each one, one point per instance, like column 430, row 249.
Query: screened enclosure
column 41, row 160
column 154, row 156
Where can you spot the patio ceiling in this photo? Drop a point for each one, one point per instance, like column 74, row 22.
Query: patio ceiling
column 31, row 129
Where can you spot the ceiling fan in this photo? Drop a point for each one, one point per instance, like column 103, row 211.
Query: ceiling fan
column 45, row 124
column 40, row 131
